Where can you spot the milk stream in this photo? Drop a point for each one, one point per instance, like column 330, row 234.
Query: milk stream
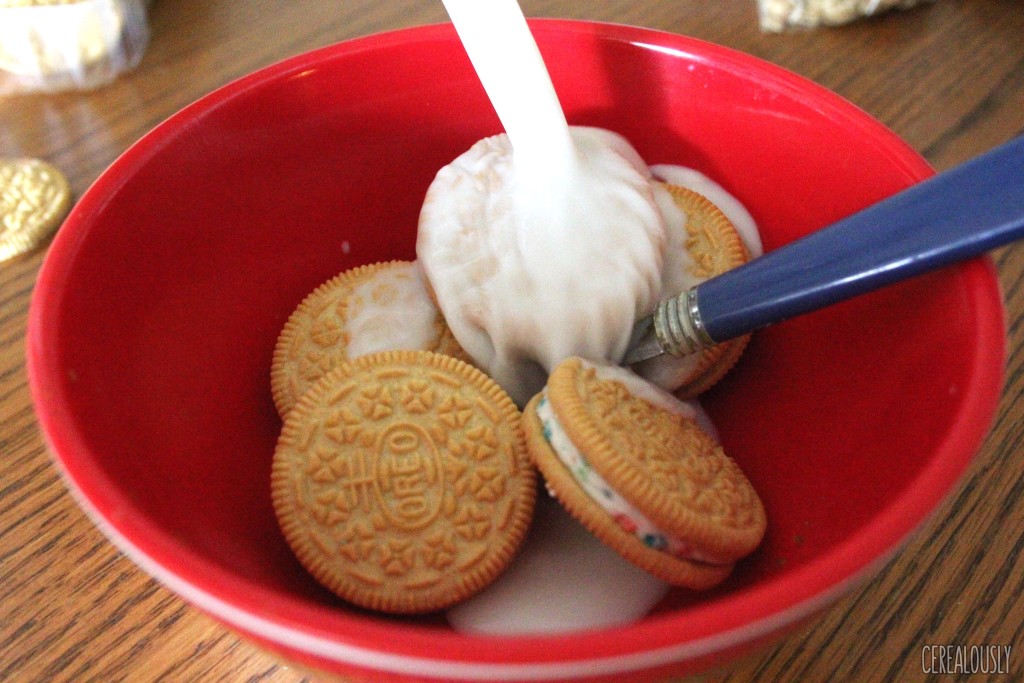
column 509, row 65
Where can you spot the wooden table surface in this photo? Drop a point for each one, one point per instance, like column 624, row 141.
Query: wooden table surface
column 948, row 78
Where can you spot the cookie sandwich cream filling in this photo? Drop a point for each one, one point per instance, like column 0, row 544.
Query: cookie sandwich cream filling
column 622, row 511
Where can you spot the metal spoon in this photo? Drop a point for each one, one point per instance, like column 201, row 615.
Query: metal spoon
column 952, row 216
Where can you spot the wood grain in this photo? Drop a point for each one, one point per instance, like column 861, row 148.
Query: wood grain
column 948, row 78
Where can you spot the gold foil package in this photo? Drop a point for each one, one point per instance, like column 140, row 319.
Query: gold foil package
column 781, row 15
column 34, row 198
column 54, row 45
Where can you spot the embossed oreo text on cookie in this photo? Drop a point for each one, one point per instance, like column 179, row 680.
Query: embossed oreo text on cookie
column 401, row 481
column 409, row 469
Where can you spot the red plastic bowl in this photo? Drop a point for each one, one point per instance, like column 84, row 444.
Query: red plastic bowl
column 156, row 311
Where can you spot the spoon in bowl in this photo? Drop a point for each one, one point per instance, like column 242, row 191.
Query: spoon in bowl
column 952, row 216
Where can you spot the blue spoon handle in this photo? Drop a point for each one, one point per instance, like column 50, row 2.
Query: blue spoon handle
column 953, row 216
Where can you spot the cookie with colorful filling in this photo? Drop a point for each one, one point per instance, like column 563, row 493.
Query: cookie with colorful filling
column 401, row 481
column 376, row 307
column 634, row 465
column 702, row 243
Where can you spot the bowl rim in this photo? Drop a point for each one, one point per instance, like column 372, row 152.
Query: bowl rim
column 749, row 614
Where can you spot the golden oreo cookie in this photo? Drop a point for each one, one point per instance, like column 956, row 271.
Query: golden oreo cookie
column 377, row 307
column 633, row 465
column 402, row 482
column 713, row 247
column 34, row 198
column 711, row 240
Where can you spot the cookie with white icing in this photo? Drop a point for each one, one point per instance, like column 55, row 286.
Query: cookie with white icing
column 376, row 307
